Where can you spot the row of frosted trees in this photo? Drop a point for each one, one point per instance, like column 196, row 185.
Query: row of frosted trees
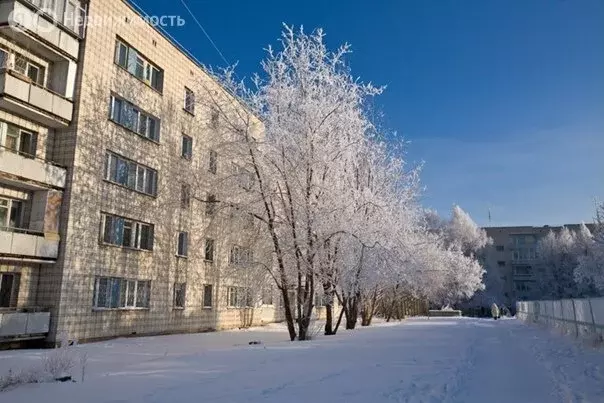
column 574, row 261
column 336, row 204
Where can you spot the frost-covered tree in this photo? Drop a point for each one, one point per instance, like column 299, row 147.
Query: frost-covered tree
column 558, row 253
column 315, row 128
column 463, row 240
column 589, row 272
column 337, row 206
column 463, row 233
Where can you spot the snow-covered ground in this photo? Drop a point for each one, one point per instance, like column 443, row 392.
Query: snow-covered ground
column 420, row 360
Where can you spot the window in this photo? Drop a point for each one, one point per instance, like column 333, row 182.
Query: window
column 213, row 165
column 214, row 118
column 501, row 263
column 18, row 140
column 185, row 195
column 240, row 256
column 133, row 118
column 211, row 205
column 28, row 68
column 183, row 244
column 239, row 297
column 180, row 294
column 130, row 174
column 522, row 270
column 120, row 231
column 4, row 58
column 209, row 250
column 9, row 289
column 267, row 296
column 116, row 293
column 523, row 286
column 499, row 248
column 11, row 213
column 138, row 65
column 207, row 296
column 187, row 147
column 189, row 101
column 244, row 178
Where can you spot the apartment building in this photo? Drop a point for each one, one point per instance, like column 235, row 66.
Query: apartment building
column 108, row 222
column 513, row 264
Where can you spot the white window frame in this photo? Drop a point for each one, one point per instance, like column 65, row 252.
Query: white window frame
column 7, row 204
column 136, row 232
column 138, row 177
column 129, row 289
column 189, row 101
column 241, row 255
column 182, row 244
column 4, row 135
column 30, row 65
column 186, row 150
column 139, row 66
column 128, row 115
column 175, row 295
column 244, row 178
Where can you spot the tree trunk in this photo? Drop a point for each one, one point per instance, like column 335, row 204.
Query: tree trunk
column 289, row 319
column 352, row 313
column 369, row 309
column 335, row 330
column 328, row 310
column 328, row 320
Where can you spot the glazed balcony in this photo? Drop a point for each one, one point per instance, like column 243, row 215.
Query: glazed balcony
column 25, row 245
column 23, row 324
column 24, row 169
column 45, row 25
column 24, row 97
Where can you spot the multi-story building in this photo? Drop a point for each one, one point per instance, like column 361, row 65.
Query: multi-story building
column 108, row 225
column 38, row 67
column 513, row 265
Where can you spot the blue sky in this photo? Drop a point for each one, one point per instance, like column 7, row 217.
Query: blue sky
column 503, row 100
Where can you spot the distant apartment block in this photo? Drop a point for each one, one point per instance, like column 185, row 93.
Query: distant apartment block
column 513, row 264
column 107, row 219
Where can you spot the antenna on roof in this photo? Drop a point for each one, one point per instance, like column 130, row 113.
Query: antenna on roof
column 489, row 215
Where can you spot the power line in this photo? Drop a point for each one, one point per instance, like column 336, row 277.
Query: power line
column 204, row 32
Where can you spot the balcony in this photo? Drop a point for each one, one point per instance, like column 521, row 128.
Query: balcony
column 21, row 96
column 27, row 245
column 39, row 31
column 30, row 170
column 24, row 324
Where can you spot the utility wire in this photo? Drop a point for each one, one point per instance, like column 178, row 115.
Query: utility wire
column 204, row 32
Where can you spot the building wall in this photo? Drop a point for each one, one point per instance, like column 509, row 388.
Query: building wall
column 27, row 287
column 512, row 278
column 83, row 257
column 67, row 287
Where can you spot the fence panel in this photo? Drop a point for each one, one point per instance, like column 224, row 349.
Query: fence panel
column 579, row 317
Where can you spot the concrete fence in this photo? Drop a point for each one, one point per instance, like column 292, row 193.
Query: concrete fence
column 582, row 318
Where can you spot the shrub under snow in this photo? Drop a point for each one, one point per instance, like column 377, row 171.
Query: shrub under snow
column 57, row 363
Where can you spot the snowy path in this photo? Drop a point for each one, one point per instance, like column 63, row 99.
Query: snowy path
column 437, row 360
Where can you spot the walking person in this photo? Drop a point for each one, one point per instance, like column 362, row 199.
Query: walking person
column 495, row 311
